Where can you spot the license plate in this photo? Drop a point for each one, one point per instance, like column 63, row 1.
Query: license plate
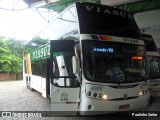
column 121, row 107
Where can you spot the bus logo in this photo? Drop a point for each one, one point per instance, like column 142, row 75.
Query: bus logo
column 128, row 40
column 96, row 88
column 64, row 97
column 108, row 11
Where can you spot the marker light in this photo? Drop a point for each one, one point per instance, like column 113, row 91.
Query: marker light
column 105, row 97
column 137, row 58
column 103, row 37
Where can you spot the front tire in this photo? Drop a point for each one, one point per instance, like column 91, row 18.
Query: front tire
column 29, row 85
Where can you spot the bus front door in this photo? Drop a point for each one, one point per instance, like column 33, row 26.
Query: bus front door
column 64, row 100
column 64, row 88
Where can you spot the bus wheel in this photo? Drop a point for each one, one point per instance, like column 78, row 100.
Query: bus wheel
column 29, row 86
column 27, row 82
column 31, row 89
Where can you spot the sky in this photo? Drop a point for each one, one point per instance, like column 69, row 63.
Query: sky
column 17, row 23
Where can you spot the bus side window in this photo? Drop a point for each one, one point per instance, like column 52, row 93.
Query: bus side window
column 38, row 68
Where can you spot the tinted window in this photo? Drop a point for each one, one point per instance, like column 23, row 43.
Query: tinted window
column 39, row 67
column 114, row 63
column 154, row 66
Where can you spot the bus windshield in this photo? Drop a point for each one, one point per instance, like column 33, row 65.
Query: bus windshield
column 114, row 63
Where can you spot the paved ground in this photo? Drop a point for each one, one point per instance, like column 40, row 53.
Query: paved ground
column 155, row 92
column 14, row 96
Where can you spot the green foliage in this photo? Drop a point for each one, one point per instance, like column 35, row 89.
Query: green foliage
column 16, row 64
column 16, row 46
column 35, row 43
column 9, row 61
column 39, row 41
column 12, row 51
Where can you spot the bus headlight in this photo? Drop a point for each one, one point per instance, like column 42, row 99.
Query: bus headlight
column 141, row 93
column 104, row 97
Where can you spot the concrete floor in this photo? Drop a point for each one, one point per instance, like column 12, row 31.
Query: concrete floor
column 14, row 96
column 155, row 99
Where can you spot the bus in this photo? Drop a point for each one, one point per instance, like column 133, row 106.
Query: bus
column 153, row 56
column 85, row 40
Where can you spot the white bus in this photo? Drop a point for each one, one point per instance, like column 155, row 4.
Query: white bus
column 87, row 39
column 153, row 56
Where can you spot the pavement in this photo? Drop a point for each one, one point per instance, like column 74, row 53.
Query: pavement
column 15, row 96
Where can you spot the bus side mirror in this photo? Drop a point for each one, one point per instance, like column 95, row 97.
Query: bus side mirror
column 75, row 65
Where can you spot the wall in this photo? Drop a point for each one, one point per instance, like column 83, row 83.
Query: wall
column 148, row 18
column 6, row 76
column 155, row 32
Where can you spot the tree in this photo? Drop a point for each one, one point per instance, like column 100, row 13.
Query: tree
column 12, row 51
column 4, row 59
column 9, row 62
column 35, row 43
column 16, row 46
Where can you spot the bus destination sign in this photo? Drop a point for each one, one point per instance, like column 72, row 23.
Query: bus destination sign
column 41, row 53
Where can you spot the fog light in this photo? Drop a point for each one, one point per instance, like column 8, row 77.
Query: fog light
column 105, row 97
column 89, row 93
column 95, row 95
column 90, row 107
